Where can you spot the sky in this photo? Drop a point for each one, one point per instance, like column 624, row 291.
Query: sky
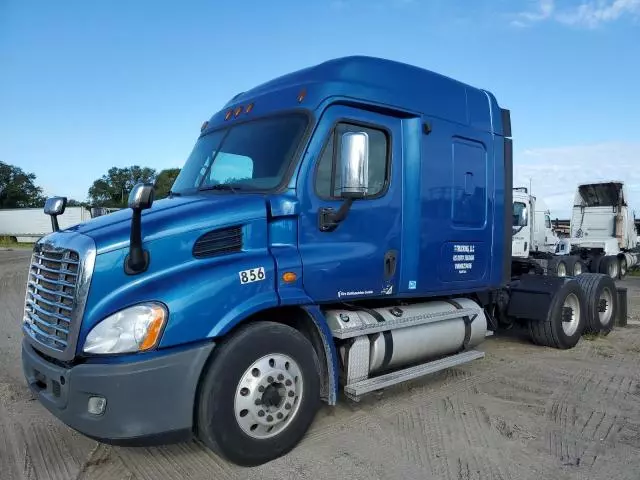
column 85, row 86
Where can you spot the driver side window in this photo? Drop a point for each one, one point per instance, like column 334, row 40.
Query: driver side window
column 327, row 183
column 547, row 221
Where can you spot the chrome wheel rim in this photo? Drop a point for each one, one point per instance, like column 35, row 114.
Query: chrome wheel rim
column 605, row 306
column 562, row 269
column 623, row 266
column 268, row 396
column 570, row 326
column 577, row 269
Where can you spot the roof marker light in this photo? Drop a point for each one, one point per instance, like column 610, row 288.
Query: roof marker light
column 249, row 108
column 204, row 125
column 301, row 95
column 238, row 111
column 228, row 114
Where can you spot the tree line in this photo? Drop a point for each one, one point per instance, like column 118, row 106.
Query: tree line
column 18, row 189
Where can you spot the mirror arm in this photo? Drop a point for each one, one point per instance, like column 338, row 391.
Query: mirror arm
column 343, row 211
column 330, row 219
column 54, row 223
column 138, row 259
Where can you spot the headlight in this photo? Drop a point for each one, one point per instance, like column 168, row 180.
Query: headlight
column 133, row 329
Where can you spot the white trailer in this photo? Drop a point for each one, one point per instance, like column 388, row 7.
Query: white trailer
column 29, row 224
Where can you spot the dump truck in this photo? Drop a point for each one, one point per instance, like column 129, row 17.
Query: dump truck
column 340, row 229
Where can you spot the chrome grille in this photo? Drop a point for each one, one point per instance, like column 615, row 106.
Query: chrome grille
column 51, row 293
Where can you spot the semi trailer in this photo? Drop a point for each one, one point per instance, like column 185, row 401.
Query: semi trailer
column 339, row 229
column 29, row 224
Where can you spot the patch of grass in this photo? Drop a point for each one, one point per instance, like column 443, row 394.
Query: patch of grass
column 590, row 337
column 634, row 273
column 8, row 242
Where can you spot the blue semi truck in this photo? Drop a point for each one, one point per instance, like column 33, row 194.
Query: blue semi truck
column 345, row 227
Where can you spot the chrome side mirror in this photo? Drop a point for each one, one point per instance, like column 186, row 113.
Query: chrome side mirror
column 524, row 217
column 53, row 207
column 354, row 165
column 141, row 196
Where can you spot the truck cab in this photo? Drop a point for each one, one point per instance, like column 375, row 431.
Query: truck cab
column 346, row 226
column 532, row 230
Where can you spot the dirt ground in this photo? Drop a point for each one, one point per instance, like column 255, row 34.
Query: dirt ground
column 522, row 412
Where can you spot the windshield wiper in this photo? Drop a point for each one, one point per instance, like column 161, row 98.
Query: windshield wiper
column 174, row 194
column 219, row 186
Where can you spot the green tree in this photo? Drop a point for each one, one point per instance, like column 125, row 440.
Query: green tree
column 112, row 189
column 17, row 188
column 164, row 181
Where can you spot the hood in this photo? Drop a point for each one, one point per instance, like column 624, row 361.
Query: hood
column 171, row 216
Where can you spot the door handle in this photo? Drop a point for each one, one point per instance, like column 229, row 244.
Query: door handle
column 390, row 263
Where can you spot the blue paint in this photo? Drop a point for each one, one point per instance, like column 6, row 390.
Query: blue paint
column 439, row 208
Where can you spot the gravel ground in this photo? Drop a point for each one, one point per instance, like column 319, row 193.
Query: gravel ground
column 522, row 412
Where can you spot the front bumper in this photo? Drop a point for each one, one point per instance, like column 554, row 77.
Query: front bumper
column 148, row 400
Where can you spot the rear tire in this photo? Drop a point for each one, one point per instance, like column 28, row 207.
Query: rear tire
column 600, row 294
column 259, row 395
column 554, row 331
column 623, row 268
column 559, row 267
column 579, row 267
column 575, row 266
column 610, row 265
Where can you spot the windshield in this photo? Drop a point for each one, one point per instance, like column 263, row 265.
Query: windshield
column 248, row 156
column 519, row 214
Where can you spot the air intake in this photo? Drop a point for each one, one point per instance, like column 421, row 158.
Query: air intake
column 218, row 242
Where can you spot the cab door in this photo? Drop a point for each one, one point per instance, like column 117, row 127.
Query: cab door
column 360, row 257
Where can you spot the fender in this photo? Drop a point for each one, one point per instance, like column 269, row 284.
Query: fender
column 331, row 354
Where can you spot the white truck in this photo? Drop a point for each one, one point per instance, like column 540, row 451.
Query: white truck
column 29, row 224
column 602, row 230
column 533, row 241
column 602, row 239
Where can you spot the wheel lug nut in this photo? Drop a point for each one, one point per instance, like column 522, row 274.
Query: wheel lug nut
column 261, row 388
column 287, row 406
column 261, row 413
column 280, row 416
column 270, row 379
column 269, row 418
column 291, row 394
column 281, row 377
column 258, row 401
column 288, row 383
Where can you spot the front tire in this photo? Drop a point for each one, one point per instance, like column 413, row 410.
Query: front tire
column 565, row 320
column 259, row 395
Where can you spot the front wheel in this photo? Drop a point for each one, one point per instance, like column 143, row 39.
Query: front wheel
column 259, row 395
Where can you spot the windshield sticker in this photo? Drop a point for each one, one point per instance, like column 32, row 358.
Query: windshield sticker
column 252, row 275
column 412, row 284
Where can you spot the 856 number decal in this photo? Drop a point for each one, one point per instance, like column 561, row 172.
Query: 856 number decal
column 252, row 275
